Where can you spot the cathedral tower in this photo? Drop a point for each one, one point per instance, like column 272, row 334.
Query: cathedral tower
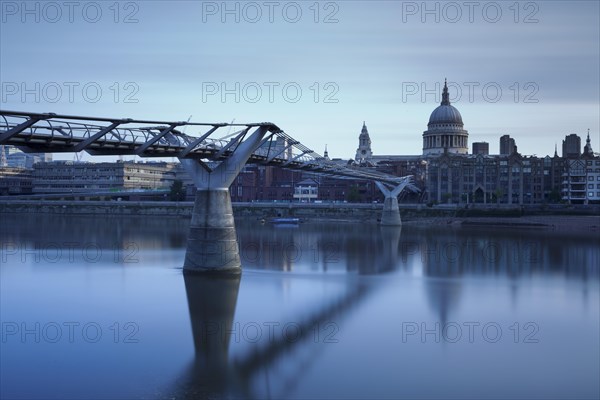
column 363, row 153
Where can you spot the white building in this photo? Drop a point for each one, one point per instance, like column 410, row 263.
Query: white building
column 306, row 191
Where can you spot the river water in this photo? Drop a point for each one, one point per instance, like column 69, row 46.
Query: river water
column 98, row 307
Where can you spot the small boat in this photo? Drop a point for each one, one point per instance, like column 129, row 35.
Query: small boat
column 286, row 221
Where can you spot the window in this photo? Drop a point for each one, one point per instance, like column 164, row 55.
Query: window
column 590, row 186
column 590, row 194
column 590, row 178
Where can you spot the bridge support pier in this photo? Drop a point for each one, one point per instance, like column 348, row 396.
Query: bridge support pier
column 391, row 214
column 212, row 246
column 212, row 243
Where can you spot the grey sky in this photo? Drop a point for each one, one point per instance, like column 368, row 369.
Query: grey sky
column 174, row 59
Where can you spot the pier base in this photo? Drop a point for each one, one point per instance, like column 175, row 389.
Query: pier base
column 391, row 214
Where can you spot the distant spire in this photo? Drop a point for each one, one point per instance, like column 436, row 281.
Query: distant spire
column 326, row 154
column 555, row 150
column 364, row 145
column 587, row 149
column 445, row 96
column 364, row 128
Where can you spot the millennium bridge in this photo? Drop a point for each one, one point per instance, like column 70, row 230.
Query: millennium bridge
column 213, row 163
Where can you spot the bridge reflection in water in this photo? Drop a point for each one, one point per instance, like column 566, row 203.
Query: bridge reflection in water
column 214, row 373
column 443, row 256
column 212, row 304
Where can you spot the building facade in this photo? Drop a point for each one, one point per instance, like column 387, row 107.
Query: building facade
column 11, row 156
column 504, row 179
column 306, row 191
column 508, row 145
column 581, row 178
column 70, row 176
column 15, row 181
column 481, row 148
column 571, row 146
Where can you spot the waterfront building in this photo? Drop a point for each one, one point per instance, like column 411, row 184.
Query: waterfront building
column 507, row 179
column 574, row 182
column 15, row 181
column 580, row 173
column 263, row 183
column 71, row 176
column 333, row 190
column 306, row 191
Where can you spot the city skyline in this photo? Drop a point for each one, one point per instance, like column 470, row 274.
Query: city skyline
column 530, row 72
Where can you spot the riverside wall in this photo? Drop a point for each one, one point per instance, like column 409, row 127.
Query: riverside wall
column 549, row 217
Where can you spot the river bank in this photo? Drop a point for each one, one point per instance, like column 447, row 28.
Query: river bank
column 558, row 223
column 555, row 219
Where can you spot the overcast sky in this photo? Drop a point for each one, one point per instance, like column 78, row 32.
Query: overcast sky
column 527, row 69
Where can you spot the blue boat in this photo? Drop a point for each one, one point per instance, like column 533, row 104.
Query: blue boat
column 286, row 221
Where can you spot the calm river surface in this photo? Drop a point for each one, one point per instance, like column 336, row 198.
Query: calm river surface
column 98, row 307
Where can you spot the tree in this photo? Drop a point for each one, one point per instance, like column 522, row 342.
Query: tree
column 554, row 196
column 177, row 192
column 498, row 193
column 353, row 194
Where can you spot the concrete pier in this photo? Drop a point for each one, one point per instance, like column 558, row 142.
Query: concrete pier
column 212, row 244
